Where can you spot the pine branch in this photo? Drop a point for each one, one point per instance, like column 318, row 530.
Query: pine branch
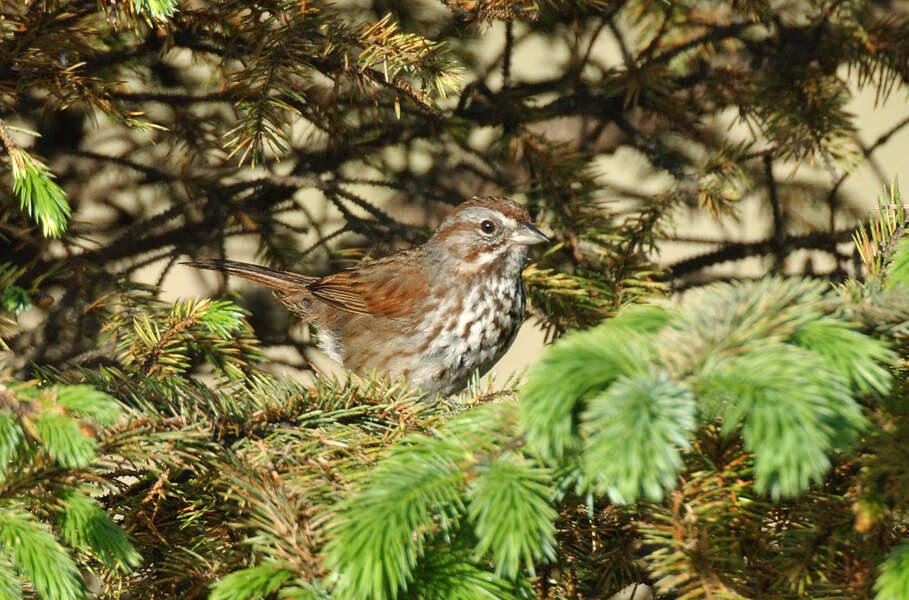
column 893, row 582
column 39, row 557
column 511, row 514
column 39, row 197
column 662, row 414
column 88, row 528
column 739, row 359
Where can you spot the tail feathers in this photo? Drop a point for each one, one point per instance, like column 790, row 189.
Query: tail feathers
column 276, row 280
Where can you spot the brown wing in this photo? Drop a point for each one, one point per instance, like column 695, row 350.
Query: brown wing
column 388, row 287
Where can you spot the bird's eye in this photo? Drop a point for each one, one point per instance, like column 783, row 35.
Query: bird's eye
column 487, row 226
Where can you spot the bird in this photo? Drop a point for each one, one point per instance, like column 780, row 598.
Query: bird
column 435, row 314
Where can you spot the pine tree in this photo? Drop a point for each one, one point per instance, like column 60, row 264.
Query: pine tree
column 747, row 440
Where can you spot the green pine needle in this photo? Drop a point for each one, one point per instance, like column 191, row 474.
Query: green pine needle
column 15, row 299
column 635, row 431
column 163, row 339
column 898, row 273
column 395, row 53
column 577, row 366
column 793, row 408
column 157, row 10
column 60, row 432
column 10, row 584
column 43, row 200
column 769, row 358
column 512, row 515
column 303, row 590
column 893, row 582
column 86, row 527
column 447, row 571
column 87, row 402
column 252, row 583
column 857, row 357
column 222, row 317
column 10, row 436
column 38, row 556
column 63, row 440
column 379, row 533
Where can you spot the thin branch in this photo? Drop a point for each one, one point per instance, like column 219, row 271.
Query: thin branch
column 739, row 250
column 867, row 151
column 778, row 235
column 7, row 141
column 506, row 55
column 593, row 40
column 158, row 348
column 177, row 99
column 626, row 55
column 153, row 174
column 715, row 35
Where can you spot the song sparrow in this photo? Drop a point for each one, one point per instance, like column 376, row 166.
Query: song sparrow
column 435, row 313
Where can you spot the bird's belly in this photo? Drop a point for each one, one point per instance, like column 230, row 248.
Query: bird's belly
column 440, row 352
column 469, row 341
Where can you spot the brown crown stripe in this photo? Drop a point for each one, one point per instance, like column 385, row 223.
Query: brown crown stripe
column 507, row 207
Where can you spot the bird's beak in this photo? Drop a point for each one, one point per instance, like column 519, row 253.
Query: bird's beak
column 527, row 235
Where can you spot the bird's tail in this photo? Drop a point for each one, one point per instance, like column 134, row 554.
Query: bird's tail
column 281, row 281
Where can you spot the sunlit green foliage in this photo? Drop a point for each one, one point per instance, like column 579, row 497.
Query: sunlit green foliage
column 46, row 441
column 39, row 196
column 893, row 582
